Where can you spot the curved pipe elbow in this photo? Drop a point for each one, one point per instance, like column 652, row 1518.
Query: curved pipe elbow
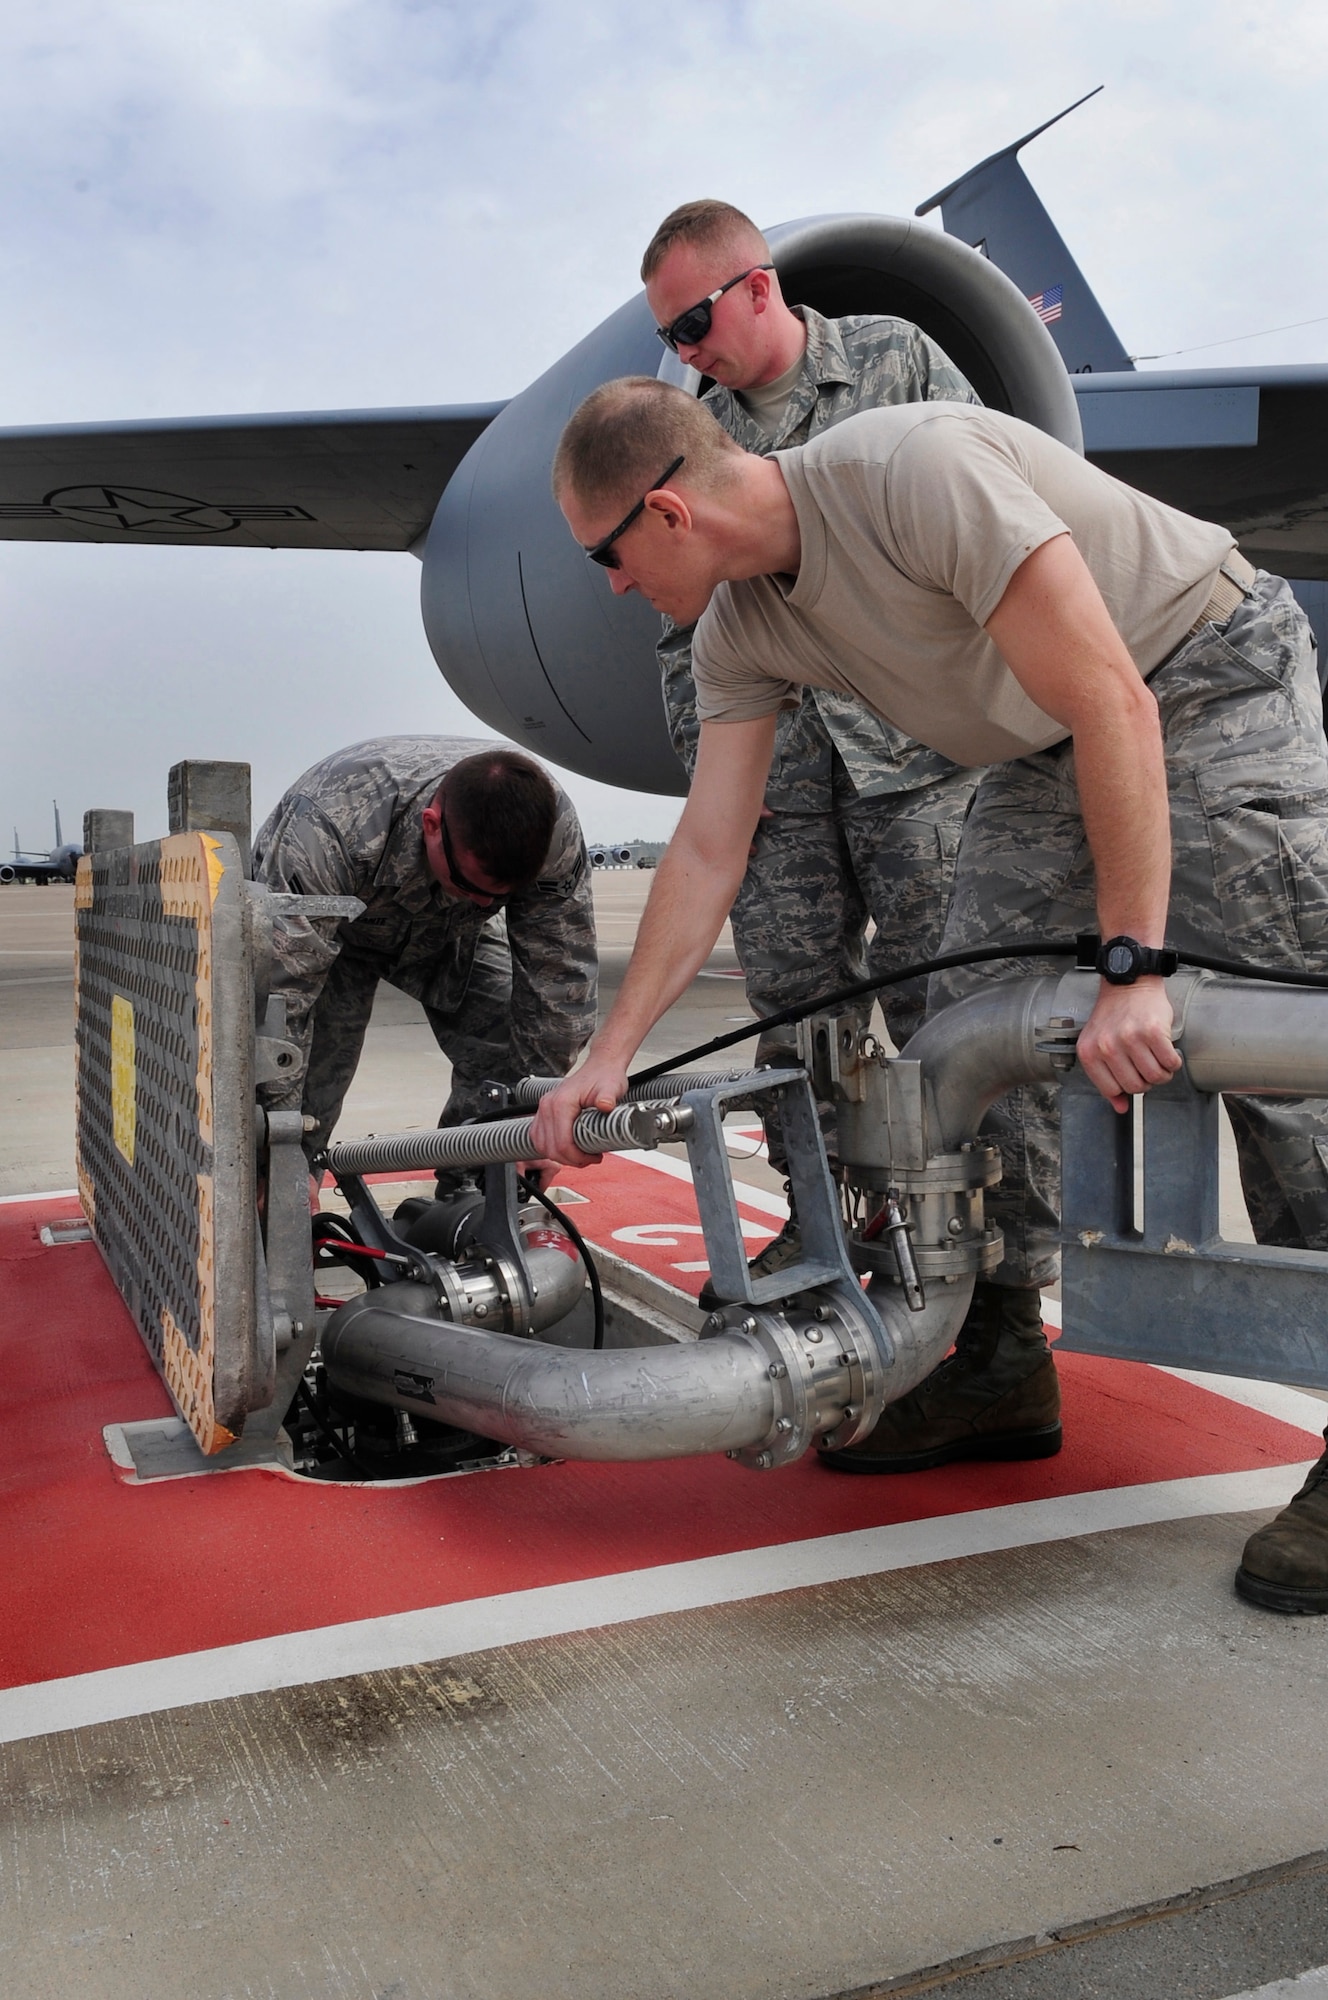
column 974, row 1051
column 617, row 1403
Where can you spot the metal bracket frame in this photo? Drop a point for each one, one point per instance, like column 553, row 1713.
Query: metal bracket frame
column 825, row 1259
column 1166, row 1287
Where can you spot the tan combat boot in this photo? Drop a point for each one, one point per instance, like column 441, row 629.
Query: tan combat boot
column 1285, row 1564
column 996, row 1396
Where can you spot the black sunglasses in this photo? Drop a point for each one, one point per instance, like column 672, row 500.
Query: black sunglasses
column 602, row 553
column 460, row 881
column 694, row 324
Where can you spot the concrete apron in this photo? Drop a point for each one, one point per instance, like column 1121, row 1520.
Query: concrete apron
column 799, row 1794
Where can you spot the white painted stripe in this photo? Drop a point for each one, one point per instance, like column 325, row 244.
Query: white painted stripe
column 678, row 1170
column 47, row 1194
column 1309, row 1986
column 450, row 1631
column 1272, row 1399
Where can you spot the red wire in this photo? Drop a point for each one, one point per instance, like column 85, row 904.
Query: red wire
column 354, row 1249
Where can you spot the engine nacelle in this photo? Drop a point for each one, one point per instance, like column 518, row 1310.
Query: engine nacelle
column 528, row 633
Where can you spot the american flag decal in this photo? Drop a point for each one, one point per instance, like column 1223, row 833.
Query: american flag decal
column 1047, row 305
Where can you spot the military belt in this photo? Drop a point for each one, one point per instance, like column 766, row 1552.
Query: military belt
column 1235, row 581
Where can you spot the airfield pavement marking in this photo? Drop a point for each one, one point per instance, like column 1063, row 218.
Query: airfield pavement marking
column 211, row 1569
column 406, row 1639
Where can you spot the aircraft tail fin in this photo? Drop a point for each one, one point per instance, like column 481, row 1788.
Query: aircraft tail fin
column 59, row 837
column 994, row 207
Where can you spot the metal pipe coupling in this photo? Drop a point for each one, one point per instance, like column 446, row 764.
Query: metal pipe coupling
column 825, row 1369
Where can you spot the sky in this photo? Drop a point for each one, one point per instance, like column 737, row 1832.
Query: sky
column 324, row 204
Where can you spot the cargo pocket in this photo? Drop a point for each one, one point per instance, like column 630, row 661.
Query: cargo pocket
column 1270, row 873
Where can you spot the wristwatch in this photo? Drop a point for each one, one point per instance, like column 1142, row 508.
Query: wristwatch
column 1122, row 960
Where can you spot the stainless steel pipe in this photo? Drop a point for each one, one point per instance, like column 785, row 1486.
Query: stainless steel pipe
column 619, row 1403
column 1240, row 1034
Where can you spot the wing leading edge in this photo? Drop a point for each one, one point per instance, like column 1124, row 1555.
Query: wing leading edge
column 343, row 479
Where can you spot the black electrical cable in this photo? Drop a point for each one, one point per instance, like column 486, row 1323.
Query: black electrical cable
column 328, row 1434
column 583, row 1248
column 1025, row 948
column 1240, row 970
column 333, row 1236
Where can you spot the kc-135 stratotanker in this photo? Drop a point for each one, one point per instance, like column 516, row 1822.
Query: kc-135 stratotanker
column 525, row 635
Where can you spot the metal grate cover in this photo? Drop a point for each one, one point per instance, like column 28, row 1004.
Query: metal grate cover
column 165, row 1095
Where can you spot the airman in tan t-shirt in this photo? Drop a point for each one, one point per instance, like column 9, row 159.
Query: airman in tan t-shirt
column 913, row 521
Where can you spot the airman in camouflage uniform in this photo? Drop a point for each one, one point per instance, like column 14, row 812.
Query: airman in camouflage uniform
column 1247, row 776
column 863, row 822
column 508, row 991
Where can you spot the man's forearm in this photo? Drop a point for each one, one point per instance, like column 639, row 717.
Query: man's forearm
column 1123, row 795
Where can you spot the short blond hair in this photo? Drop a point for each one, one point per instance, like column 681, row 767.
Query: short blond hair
column 618, row 443
column 705, row 225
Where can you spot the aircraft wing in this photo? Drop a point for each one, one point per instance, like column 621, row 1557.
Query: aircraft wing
column 1244, row 446
column 340, row 479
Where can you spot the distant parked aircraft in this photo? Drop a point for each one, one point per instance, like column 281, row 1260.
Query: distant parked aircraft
column 57, row 866
column 627, row 854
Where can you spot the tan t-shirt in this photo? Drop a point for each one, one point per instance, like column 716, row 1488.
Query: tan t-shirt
column 913, row 520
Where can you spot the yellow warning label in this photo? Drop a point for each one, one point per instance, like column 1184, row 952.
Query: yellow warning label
column 124, row 1079
column 214, row 867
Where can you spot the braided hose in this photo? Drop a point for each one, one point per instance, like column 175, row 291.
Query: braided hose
column 532, row 1089
column 621, row 1130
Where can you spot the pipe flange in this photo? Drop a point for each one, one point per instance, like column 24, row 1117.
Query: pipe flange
column 824, row 1370
column 787, row 1365
column 834, row 1312
column 971, row 1256
column 945, row 1173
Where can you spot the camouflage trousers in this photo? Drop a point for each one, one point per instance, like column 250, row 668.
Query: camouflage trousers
column 1247, row 775
column 474, row 1036
column 812, row 884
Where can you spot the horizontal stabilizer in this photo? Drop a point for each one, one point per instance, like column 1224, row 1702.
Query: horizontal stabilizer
column 342, row 479
column 1243, row 446
column 994, row 208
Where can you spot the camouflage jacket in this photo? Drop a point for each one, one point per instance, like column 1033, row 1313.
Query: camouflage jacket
column 351, row 826
column 849, row 365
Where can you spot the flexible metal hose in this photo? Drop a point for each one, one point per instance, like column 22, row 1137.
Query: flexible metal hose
column 621, row 1130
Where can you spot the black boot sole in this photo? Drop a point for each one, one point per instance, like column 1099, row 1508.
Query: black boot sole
column 1292, row 1600
column 1044, row 1443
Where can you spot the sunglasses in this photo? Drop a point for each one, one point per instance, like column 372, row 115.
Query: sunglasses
column 460, row 881
column 692, row 326
column 603, row 551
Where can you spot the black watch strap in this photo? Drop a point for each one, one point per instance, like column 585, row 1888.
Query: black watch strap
column 1122, row 960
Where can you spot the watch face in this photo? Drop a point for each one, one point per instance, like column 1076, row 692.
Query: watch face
column 1120, row 958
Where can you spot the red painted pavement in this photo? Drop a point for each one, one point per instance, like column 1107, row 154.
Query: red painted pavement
column 97, row 1572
